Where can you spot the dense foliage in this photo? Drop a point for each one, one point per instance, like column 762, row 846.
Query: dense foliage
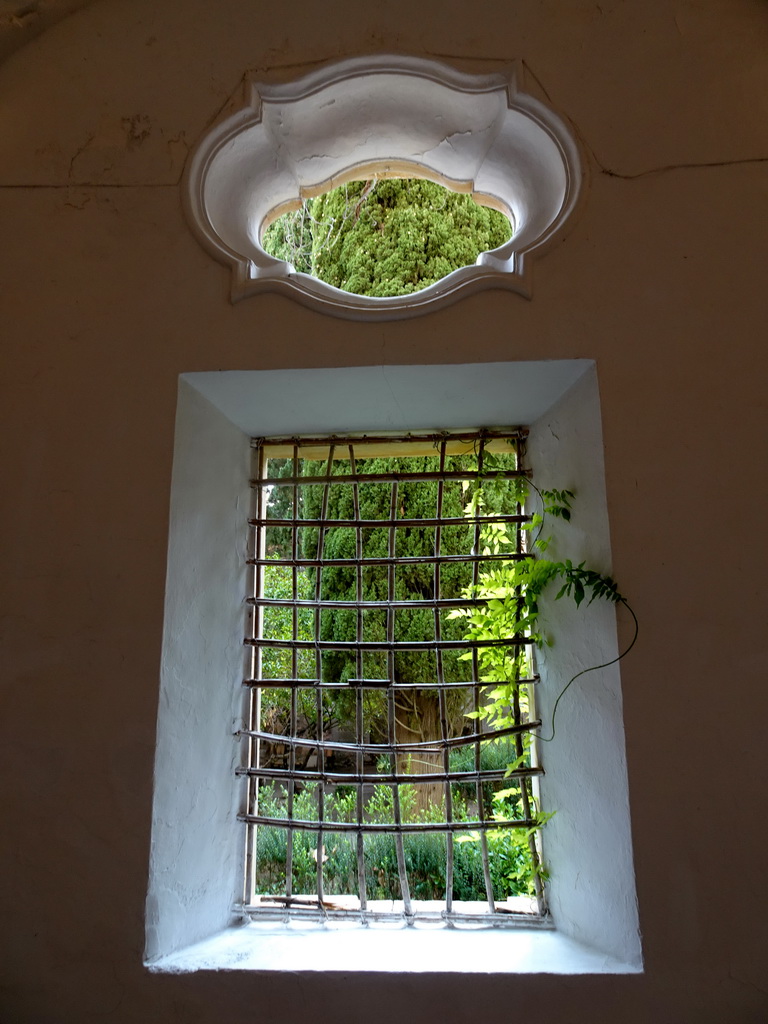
column 417, row 711
column 425, row 854
column 388, row 237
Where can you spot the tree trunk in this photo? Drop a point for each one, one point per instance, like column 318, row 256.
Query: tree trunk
column 418, row 721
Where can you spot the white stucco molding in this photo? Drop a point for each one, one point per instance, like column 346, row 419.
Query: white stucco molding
column 389, row 116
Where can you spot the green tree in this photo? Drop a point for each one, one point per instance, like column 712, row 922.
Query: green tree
column 417, row 710
column 384, row 238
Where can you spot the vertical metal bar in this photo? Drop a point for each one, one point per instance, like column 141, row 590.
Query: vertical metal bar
column 293, row 726
column 476, row 702
column 248, row 716
column 442, row 696
column 524, row 790
column 520, row 743
column 359, row 669
column 254, row 711
column 392, row 723
column 319, row 676
column 541, row 892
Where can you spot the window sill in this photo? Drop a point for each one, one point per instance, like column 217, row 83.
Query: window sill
column 296, row 947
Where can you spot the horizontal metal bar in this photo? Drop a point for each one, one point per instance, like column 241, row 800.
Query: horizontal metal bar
column 387, row 478
column 422, row 747
column 351, row 563
column 372, row 684
column 389, row 828
column 444, row 602
column 389, row 524
column 345, row 440
column 386, row 645
column 398, row 778
column 500, row 917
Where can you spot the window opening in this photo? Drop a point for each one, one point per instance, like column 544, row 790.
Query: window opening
column 386, row 236
column 373, row 788
column 384, row 115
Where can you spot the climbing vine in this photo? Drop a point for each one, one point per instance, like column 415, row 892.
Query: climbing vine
column 510, row 592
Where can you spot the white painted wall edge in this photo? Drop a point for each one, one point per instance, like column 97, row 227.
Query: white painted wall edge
column 265, row 403
column 413, row 950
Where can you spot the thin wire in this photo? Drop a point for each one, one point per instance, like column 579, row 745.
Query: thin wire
column 535, row 540
column 593, row 668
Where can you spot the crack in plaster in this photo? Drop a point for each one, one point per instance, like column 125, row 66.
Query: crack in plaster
column 78, row 206
column 135, row 129
column 648, row 172
column 693, row 165
column 448, row 139
column 746, row 983
column 78, row 153
column 318, row 156
column 609, row 172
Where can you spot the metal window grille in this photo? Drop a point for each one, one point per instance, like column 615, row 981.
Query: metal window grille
column 364, row 753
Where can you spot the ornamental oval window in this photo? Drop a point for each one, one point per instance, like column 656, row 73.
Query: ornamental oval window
column 379, row 120
column 385, row 237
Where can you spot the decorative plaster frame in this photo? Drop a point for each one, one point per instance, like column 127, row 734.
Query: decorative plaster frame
column 389, row 116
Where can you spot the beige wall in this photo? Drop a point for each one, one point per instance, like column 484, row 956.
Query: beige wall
column 107, row 298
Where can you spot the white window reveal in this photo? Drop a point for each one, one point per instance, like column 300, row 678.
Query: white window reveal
column 376, row 791
column 195, row 917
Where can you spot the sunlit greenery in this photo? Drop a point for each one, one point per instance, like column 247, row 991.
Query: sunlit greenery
column 425, row 853
column 383, row 238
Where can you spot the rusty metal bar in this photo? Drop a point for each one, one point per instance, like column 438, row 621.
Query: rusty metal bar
column 414, row 476
column 476, row 694
column 501, row 918
column 294, row 712
column 360, row 778
column 359, row 711
column 319, row 693
column 386, row 524
column 400, row 828
column 255, row 618
column 388, row 645
column 361, row 684
column 423, row 746
column 350, row 563
column 445, row 603
column 471, row 437
column 442, row 695
column 391, row 716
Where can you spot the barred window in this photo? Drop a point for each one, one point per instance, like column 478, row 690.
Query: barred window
column 375, row 786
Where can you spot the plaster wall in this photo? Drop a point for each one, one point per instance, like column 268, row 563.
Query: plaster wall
column 587, row 843
column 107, row 298
column 195, row 867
